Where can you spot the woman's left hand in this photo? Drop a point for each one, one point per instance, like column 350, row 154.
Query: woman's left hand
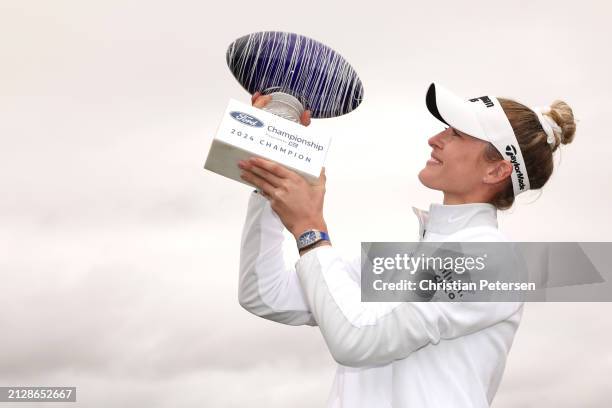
column 298, row 203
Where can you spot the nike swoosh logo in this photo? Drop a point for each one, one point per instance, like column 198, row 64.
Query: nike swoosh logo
column 452, row 219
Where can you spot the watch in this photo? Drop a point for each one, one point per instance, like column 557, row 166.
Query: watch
column 311, row 237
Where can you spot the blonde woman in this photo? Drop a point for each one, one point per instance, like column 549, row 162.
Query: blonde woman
column 411, row 354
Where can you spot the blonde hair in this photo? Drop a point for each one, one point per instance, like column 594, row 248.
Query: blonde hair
column 538, row 154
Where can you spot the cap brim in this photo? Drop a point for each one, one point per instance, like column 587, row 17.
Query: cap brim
column 453, row 111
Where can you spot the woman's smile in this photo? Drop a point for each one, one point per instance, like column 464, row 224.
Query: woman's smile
column 434, row 161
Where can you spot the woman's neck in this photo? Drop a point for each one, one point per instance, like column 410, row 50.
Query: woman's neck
column 455, row 199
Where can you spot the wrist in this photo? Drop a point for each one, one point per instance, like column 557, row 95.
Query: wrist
column 318, row 244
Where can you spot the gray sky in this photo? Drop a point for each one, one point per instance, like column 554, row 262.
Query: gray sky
column 119, row 253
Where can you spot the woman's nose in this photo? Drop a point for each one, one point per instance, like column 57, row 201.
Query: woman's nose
column 437, row 140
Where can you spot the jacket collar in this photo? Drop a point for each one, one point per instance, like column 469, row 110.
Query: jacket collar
column 447, row 219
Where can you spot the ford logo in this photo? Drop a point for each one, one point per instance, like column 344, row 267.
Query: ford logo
column 246, row 119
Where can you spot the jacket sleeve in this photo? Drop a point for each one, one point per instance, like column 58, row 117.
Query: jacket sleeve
column 267, row 286
column 364, row 334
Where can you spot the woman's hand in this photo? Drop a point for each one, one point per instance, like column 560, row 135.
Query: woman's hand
column 298, row 203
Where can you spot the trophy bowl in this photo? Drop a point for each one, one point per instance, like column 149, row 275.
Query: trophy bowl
column 300, row 72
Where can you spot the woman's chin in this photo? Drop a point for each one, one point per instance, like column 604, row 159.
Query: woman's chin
column 427, row 178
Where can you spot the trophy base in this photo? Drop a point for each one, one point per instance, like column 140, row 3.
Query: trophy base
column 247, row 132
column 223, row 159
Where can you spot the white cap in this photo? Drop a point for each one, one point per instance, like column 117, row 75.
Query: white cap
column 483, row 118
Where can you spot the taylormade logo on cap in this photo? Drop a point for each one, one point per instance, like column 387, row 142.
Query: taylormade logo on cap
column 511, row 152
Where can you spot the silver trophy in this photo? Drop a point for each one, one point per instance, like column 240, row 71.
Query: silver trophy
column 298, row 73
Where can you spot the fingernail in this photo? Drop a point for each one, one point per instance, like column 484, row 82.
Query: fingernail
column 241, row 164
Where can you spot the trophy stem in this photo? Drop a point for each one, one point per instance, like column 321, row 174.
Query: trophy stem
column 286, row 106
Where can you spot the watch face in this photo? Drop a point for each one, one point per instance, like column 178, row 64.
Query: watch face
column 307, row 238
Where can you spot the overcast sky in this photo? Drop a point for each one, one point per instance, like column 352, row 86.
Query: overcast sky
column 119, row 253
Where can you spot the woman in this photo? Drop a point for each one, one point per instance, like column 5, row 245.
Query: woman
column 404, row 354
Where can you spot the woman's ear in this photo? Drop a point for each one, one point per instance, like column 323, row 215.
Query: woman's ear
column 497, row 172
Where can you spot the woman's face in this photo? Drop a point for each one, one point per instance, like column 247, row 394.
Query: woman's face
column 457, row 165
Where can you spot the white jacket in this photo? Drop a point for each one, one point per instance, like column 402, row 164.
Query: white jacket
column 437, row 354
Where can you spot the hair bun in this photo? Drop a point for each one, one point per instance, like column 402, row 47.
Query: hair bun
column 563, row 115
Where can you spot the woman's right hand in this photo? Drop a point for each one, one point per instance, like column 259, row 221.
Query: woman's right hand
column 259, row 101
